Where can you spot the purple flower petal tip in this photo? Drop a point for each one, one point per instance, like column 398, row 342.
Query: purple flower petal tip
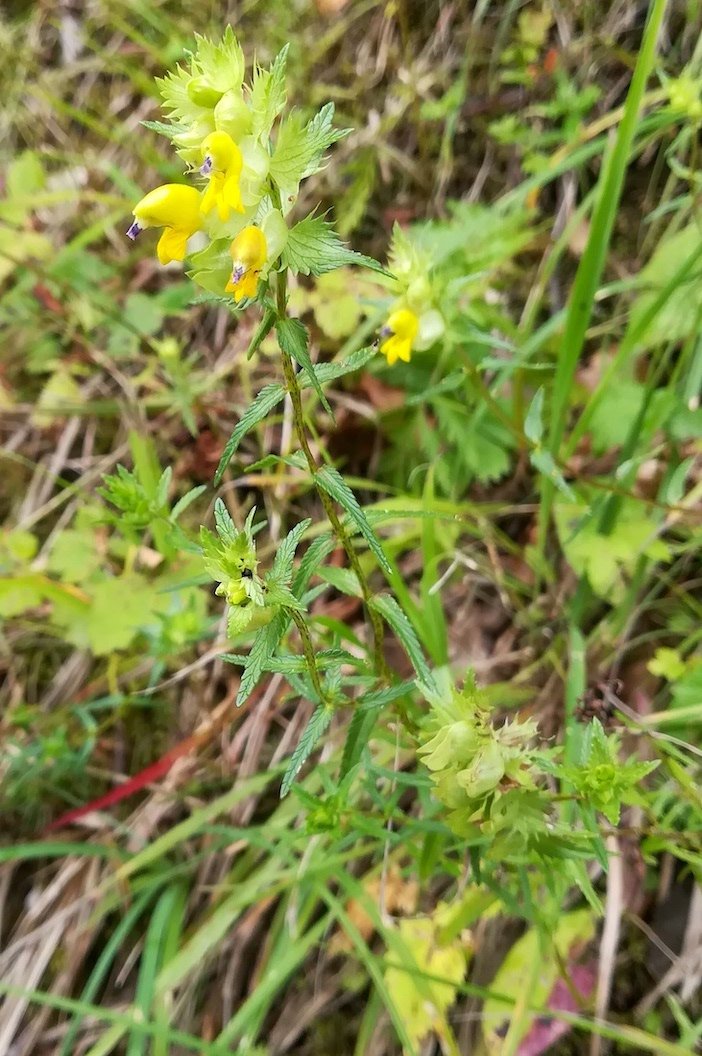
column 134, row 230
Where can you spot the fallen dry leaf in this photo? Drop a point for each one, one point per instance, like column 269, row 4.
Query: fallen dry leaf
column 399, row 895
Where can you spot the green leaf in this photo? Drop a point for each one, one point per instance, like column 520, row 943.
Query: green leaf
column 331, row 481
column 300, row 148
column 162, row 488
column 239, row 619
column 616, row 412
column 313, row 248
column 313, row 558
column 679, row 316
column 542, row 460
column 331, row 371
column 281, row 572
column 74, row 557
column 19, row 593
column 315, row 728
column 187, row 500
column 164, row 128
column 226, row 529
column 357, row 737
column 292, row 336
column 344, row 580
column 280, row 594
column 290, row 664
column 265, row 644
column 262, row 331
column 380, row 698
column 391, row 612
column 607, row 559
column 533, row 423
column 482, row 443
column 667, row 663
column 268, row 398
column 268, row 94
column 119, row 609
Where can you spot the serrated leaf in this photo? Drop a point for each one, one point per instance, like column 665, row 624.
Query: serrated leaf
column 291, row 664
column 281, row 572
column 280, row 594
column 382, row 697
column 344, row 580
column 334, row 484
column 239, row 619
column 268, row 94
column 268, row 398
column 357, row 737
column 315, row 728
column 327, row 372
column 391, row 612
column 300, row 148
column 265, row 644
column 312, row 559
column 292, row 337
column 164, row 128
column 313, row 248
column 226, row 528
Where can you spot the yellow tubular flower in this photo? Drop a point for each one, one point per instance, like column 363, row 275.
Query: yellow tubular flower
column 174, row 207
column 249, row 253
column 222, row 162
column 399, row 334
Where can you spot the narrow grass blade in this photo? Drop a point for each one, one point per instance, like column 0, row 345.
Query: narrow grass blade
column 592, row 262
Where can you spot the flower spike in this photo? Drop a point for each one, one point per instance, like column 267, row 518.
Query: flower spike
column 222, row 163
column 249, row 252
column 398, row 335
column 176, row 209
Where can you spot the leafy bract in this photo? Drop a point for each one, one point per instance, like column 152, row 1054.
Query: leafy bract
column 300, row 150
column 313, row 248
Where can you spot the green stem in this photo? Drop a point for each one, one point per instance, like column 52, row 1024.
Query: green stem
column 308, row 650
column 293, row 388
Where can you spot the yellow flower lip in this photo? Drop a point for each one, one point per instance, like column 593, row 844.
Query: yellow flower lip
column 398, row 335
column 176, row 208
column 222, row 163
column 249, row 252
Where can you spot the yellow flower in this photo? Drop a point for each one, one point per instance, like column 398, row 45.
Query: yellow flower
column 399, row 334
column 174, row 207
column 222, row 162
column 249, row 253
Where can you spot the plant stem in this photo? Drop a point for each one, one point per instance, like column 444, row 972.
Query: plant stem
column 308, row 650
column 335, row 521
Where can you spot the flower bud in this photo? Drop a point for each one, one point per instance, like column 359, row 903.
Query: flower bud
column 202, row 93
column 232, row 115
